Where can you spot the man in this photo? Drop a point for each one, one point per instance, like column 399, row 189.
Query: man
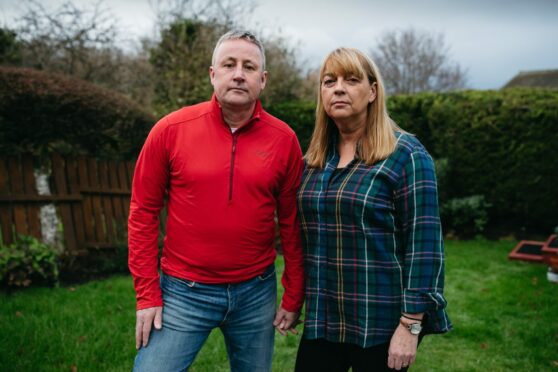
column 227, row 168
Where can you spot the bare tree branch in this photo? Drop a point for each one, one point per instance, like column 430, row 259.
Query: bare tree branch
column 413, row 61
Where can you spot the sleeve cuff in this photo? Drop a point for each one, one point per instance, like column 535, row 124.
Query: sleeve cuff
column 420, row 302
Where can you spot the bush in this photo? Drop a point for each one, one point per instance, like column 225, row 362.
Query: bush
column 43, row 112
column 465, row 217
column 27, row 260
column 300, row 117
column 500, row 144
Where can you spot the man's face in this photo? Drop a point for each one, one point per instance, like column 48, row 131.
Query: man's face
column 237, row 76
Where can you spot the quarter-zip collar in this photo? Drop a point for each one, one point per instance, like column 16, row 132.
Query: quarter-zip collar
column 217, row 110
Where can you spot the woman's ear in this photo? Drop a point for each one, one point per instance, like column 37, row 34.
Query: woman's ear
column 373, row 92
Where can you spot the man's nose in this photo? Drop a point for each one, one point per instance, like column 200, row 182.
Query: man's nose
column 238, row 73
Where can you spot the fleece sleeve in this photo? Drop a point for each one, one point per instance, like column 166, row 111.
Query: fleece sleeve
column 148, row 190
column 289, row 229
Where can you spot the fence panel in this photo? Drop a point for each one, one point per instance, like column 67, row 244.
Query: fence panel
column 92, row 199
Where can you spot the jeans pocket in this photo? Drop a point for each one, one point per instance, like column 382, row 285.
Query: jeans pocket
column 189, row 283
column 268, row 273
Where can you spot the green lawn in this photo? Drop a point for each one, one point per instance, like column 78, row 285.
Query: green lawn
column 504, row 314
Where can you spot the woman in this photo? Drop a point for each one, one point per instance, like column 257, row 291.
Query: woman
column 371, row 230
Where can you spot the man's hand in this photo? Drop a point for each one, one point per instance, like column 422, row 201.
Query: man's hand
column 144, row 319
column 402, row 348
column 286, row 321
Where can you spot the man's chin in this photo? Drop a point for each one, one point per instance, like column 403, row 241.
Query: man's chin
column 237, row 100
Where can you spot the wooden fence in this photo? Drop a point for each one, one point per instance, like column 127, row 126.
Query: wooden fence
column 92, row 199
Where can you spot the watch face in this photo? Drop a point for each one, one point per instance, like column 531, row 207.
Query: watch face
column 415, row 328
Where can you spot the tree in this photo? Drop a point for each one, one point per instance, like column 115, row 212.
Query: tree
column 182, row 56
column 81, row 41
column 181, row 64
column 412, row 61
column 10, row 47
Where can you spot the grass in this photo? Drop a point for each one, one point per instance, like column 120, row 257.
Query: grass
column 504, row 314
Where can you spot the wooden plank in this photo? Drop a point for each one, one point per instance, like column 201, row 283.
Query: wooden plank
column 16, row 181
column 100, row 229
column 76, row 208
column 130, row 167
column 61, row 188
column 118, row 207
column 6, row 214
column 106, row 199
column 125, row 183
column 83, row 176
column 40, row 199
column 30, row 186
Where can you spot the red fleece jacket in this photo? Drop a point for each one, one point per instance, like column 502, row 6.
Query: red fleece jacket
column 223, row 190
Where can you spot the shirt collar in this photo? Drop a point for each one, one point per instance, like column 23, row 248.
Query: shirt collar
column 256, row 115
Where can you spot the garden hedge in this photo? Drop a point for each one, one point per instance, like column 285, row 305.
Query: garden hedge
column 43, row 112
column 502, row 145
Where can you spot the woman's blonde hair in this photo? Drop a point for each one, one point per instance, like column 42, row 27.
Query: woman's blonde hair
column 378, row 140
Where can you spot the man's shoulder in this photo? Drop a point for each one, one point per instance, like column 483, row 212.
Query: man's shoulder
column 277, row 124
column 187, row 113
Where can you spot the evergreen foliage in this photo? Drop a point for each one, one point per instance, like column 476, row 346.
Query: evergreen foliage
column 42, row 112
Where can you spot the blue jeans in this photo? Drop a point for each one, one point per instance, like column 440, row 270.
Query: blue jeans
column 244, row 312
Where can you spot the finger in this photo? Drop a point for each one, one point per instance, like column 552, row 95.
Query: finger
column 278, row 319
column 146, row 329
column 391, row 362
column 158, row 319
column 294, row 331
column 281, row 331
column 139, row 325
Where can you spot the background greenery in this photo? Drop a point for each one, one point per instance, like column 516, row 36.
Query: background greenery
column 496, row 146
column 504, row 314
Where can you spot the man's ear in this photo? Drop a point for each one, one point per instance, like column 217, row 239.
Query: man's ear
column 264, row 79
column 211, row 74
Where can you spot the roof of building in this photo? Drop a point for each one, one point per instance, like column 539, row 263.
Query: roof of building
column 535, row 79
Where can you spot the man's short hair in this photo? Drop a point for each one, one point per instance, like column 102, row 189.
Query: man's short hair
column 240, row 35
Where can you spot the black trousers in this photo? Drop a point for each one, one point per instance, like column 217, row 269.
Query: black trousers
column 325, row 356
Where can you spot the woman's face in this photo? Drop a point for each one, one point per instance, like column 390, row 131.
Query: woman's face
column 346, row 98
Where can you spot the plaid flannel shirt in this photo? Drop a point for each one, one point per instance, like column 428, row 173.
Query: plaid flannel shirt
column 373, row 246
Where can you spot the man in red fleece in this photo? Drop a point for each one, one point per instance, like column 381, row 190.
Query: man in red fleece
column 227, row 168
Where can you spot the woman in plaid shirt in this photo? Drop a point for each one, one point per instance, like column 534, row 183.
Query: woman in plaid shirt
column 373, row 245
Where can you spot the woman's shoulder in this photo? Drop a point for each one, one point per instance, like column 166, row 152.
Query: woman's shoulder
column 408, row 143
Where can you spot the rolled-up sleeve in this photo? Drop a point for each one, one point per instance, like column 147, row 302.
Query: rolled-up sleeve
column 416, row 203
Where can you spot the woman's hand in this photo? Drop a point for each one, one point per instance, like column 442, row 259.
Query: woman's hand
column 402, row 348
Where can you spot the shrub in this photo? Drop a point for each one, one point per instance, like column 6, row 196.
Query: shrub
column 300, row 117
column 44, row 112
column 465, row 217
column 27, row 260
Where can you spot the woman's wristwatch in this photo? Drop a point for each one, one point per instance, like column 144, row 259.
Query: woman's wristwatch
column 413, row 327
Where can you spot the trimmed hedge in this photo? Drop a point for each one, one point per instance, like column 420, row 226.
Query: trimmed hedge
column 43, row 112
column 299, row 115
column 502, row 145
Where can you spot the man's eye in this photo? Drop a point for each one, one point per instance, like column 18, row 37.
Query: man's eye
column 250, row 67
